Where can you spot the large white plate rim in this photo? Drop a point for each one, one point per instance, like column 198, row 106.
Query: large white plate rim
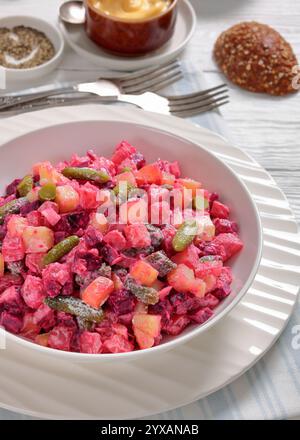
column 17, row 126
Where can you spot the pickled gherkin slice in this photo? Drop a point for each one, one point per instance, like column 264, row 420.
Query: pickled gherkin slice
column 75, row 306
column 25, row 186
column 161, row 263
column 47, row 192
column 86, row 174
column 185, row 235
column 12, row 207
column 60, row 249
column 146, row 295
column 84, row 324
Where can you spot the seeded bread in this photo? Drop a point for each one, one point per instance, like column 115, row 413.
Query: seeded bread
column 257, row 58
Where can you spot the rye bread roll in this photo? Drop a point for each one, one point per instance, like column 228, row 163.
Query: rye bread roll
column 257, row 58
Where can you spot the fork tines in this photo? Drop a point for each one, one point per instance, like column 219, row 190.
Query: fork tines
column 152, row 79
column 199, row 102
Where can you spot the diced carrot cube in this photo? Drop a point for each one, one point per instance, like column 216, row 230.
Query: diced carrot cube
column 1, row 265
column 98, row 291
column 143, row 273
column 149, row 174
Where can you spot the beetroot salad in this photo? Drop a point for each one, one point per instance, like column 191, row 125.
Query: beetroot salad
column 103, row 255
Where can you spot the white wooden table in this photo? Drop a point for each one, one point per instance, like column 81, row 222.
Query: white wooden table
column 268, row 128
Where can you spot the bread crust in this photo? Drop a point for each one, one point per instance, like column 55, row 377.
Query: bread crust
column 256, row 57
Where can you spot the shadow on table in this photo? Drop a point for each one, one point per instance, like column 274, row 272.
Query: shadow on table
column 210, row 8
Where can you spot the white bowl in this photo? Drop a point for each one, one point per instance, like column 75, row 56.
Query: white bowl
column 54, row 35
column 58, row 142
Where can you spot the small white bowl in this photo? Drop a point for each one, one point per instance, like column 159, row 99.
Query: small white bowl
column 54, row 35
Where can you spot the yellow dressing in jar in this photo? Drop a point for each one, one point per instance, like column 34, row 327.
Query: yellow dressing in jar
column 131, row 9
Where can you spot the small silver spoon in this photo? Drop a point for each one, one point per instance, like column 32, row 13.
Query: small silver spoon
column 72, row 12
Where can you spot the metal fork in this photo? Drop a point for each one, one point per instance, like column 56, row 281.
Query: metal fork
column 181, row 106
column 150, row 79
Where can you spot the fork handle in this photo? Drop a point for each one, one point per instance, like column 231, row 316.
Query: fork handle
column 9, row 102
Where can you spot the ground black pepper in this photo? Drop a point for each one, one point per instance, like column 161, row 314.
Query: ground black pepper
column 24, row 47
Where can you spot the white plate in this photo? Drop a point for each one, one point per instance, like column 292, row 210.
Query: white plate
column 184, row 29
column 42, row 386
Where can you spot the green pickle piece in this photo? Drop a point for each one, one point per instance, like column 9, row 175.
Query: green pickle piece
column 185, row 235
column 12, row 207
column 146, row 295
column 60, row 249
column 75, row 306
column 25, row 186
column 86, row 174
column 161, row 263
column 47, row 192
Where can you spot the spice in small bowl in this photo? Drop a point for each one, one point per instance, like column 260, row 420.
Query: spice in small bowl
column 23, row 47
column 30, row 48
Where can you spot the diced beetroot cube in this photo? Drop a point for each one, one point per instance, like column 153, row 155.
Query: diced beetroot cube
column 219, row 210
column 223, row 287
column 35, row 218
column 201, row 315
column 123, row 151
column 66, row 319
column 88, row 195
column 168, row 234
column 175, row 169
column 137, row 235
column 13, row 248
column 92, row 236
column 224, row 226
column 228, row 244
column 11, row 300
column 176, row 325
column 12, row 187
column 208, row 300
column 121, row 302
column 163, row 293
column 115, row 239
column 30, row 329
column 34, row 262
column 110, row 255
column 44, row 317
column 55, row 276
column 10, row 280
column 11, row 323
column 117, row 344
column 33, row 292
column 49, row 211
column 90, row 342
column 60, row 338
column 213, row 267
column 189, row 257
